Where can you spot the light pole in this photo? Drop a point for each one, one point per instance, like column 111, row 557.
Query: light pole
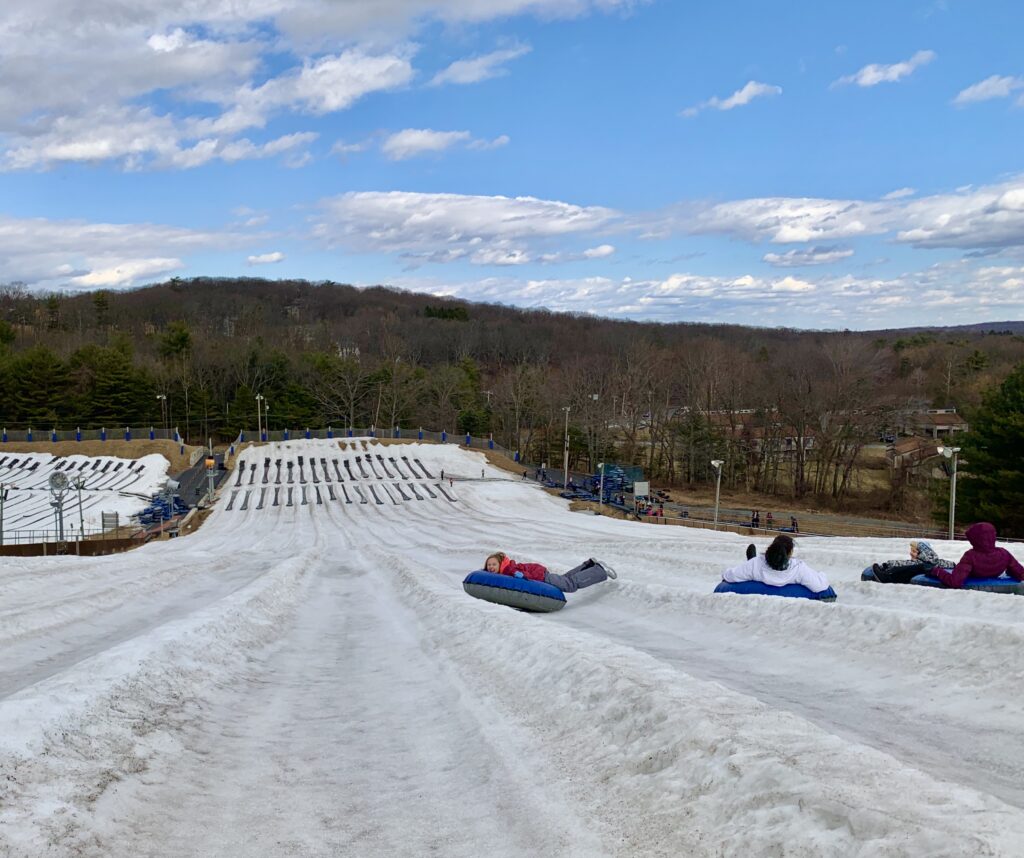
column 58, row 483
column 4, row 489
column 211, row 473
column 565, row 472
column 78, row 483
column 163, row 411
column 717, row 465
column 259, row 416
column 951, row 453
column 600, row 495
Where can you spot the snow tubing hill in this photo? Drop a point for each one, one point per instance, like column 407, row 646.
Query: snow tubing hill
column 790, row 591
column 521, row 593
column 1002, row 584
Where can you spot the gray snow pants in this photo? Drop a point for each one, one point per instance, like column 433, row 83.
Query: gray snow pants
column 584, row 575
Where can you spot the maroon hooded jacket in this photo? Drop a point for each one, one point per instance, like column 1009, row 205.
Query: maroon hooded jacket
column 983, row 560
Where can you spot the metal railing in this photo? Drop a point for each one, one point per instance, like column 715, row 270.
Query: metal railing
column 33, row 435
column 23, row 536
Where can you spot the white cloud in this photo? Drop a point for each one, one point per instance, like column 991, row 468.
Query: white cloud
column 448, row 227
column 899, row 194
column 875, row 73
column 479, row 68
column 416, row 141
column 986, row 217
column 793, row 219
column 602, row 251
column 810, row 256
column 326, row 85
column 125, row 272
column 319, row 21
column 70, row 66
column 751, row 90
column 136, row 138
column 265, row 258
column 941, row 294
column 991, row 216
column 60, row 254
column 342, row 148
column 496, row 143
column 996, row 86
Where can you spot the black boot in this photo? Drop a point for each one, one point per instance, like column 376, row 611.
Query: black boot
column 751, row 551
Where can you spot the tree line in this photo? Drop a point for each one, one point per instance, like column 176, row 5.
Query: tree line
column 788, row 411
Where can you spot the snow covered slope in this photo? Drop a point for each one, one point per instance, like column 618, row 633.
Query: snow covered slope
column 110, row 484
column 307, row 677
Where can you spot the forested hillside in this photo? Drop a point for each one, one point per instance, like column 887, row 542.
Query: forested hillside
column 788, row 410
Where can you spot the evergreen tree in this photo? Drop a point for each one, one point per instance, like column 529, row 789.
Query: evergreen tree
column 39, row 384
column 993, row 485
column 109, row 390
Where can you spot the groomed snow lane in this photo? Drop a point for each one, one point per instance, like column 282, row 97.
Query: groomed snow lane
column 328, row 688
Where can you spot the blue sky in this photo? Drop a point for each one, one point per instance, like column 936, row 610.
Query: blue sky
column 801, row 164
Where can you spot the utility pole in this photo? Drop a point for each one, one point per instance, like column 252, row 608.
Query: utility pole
column 259, row 417
column 565, row 472
column 717, row 465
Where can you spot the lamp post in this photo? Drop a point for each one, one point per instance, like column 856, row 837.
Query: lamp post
column 951, row 453
column 78, row 483
column 565, row 471
column 4, row 489
column 717, row 465
column 600, row 494
column 162, row 397
column 211, row 473
column 259, row 417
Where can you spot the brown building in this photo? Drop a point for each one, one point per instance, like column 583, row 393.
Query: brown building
column 935, row 423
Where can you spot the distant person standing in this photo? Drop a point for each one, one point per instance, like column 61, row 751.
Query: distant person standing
column 769, row 522
column 793, row 524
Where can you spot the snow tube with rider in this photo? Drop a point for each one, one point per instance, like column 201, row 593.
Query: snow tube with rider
column 1002, row 584
column 521, row 593
column 790, row 591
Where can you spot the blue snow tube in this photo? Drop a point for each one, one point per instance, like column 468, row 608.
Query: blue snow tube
column 791, row 591
column 1002, row 584
column 521, row 593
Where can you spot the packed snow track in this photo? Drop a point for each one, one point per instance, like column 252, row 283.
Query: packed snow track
column 305, row 676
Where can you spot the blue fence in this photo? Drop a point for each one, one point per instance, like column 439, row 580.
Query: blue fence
column 128, row 433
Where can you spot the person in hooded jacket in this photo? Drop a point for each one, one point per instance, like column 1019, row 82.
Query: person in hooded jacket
column 983, row 560
column 777, row 568
column 588, row 573
column 923, row 561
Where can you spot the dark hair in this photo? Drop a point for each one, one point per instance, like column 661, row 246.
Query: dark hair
column 777, row 554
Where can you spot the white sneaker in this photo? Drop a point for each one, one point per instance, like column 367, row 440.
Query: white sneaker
column 611, row 572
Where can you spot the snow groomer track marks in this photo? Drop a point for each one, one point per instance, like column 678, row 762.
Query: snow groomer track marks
column 370, row 476
column 314, row 679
